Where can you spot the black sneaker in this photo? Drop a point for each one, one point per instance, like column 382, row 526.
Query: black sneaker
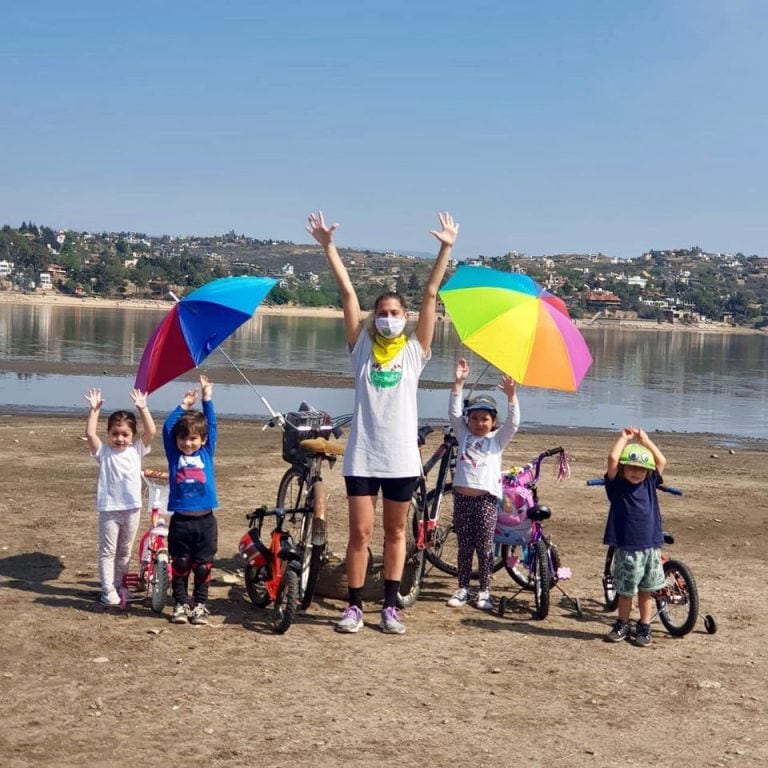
column 643, row 636
column 620, row 631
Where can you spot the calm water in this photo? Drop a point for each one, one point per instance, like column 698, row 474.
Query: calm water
column 685, row 382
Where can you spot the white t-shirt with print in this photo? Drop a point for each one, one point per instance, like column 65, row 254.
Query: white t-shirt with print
column 478, row 463
column 383, row 436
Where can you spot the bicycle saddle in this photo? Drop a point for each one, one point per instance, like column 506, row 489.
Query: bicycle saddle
column 321, row 445
column 539, row 512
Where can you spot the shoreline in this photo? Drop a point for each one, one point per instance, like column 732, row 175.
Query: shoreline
column 634, row 324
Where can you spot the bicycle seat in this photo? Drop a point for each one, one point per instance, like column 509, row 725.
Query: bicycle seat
column 321, row 445
column 539, row 512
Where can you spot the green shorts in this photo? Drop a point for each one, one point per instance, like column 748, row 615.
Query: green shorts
column 637, row 570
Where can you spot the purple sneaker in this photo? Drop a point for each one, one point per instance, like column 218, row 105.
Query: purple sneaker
column 351, row 620
column 390, row 623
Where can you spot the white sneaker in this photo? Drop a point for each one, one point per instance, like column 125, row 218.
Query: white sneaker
column 484, row 602
column 110, row 599
column 460, row 597
column 180, row 614
column 199, row 614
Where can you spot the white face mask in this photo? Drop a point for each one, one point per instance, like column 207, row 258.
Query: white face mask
column 390, row 327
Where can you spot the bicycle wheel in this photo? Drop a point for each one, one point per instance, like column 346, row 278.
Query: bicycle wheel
column 514, row 558
column 413, row 569
column 291, row 494
column 312, row 546
column 678, row 602
column 443, row 553
column 256, row 585
column 609, row 588
column 540, row 579
column 284, row 609
column 159, row 584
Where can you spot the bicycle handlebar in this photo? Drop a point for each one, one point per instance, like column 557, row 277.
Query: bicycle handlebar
column 662, row 487
column 265, row 511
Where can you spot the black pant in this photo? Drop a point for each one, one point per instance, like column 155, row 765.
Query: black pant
column 192, row 545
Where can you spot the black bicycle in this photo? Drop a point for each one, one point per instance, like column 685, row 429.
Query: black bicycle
column 307, row 445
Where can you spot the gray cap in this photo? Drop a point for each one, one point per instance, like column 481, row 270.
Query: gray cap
column 482, row 403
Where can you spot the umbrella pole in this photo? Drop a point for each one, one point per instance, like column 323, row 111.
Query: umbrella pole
column 247, row 381
column 477, row 381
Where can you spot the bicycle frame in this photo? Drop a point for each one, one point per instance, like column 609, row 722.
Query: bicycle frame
column 445, row 454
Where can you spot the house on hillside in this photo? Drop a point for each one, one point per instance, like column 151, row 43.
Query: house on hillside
column 601, row 299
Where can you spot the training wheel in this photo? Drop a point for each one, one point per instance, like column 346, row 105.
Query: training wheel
column 502, row 606
column 710, row 624
column 577, row 608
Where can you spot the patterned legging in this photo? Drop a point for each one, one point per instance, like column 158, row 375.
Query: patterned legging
column 474, row 519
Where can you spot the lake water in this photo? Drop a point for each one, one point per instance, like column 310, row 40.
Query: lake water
column 688, row 382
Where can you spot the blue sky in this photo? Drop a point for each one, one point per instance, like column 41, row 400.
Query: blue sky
column 543, row 127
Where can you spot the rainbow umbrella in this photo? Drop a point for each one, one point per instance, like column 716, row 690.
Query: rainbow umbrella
column 517, row 326
column 196, row 326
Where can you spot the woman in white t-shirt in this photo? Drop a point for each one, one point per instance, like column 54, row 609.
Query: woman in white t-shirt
column 382, row 452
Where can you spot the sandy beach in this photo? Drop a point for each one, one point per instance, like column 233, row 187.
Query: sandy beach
column 87, row 686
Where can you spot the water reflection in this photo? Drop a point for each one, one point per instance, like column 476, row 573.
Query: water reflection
column 682, row 381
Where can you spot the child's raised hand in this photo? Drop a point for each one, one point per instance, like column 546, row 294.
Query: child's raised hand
column 93, row 396
column 508, row 386
column 450, row 229
column 318, row 229
column 628, row 432
column 139, row 398
column 189, row 399
column 206, row 387
column 462, row 370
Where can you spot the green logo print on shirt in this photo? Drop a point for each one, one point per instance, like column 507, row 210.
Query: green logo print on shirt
column 385, row 379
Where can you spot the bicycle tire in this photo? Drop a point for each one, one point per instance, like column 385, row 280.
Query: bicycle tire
column 292, row 494
column 518, row 572
column 256, row 585
column 540, row 579
column 159, row 592
column 609, row 588
column 413, row 568
column 284, row 609
column 680, row 592
column 443, row 553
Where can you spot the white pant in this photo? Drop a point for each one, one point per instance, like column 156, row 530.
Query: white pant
column 117, row 530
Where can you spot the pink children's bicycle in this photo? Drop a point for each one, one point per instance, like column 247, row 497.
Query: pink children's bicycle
column 154, row 574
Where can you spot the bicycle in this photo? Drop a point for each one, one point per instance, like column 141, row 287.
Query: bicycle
column 155, row 573
column 677, row 602
column 306, row 446
column 538, row 567
column 275, row 570
column 430, row 534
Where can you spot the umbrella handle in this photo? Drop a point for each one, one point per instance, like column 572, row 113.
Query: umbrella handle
column 477, row 381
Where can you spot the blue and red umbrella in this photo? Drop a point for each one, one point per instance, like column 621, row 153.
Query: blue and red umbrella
column 196, row 326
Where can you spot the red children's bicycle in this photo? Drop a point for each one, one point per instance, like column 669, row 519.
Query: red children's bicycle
column 154, row 574
column 272, row 572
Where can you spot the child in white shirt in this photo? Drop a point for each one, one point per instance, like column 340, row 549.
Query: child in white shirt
column 477, row 482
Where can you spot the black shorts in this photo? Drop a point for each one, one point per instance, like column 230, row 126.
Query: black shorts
column 392, row 488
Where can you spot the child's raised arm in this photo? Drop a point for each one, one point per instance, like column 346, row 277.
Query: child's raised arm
column 149, row 430
column 206, row 387
column 93, row 396
column 661, row 462
column 614, row 455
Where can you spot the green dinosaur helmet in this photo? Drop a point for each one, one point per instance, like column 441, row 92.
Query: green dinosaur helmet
column 636, row 455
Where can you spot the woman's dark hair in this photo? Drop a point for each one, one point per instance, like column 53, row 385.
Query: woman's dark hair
column 191, row 423
column 390, row 295
column 122, row 417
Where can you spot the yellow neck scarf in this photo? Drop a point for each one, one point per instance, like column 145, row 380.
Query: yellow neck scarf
column 385, row 350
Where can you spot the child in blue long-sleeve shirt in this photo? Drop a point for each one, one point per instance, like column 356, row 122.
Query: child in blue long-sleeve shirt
column 189, row 438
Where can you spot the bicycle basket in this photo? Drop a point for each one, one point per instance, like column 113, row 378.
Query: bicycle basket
column 513, row 530
column 302, row 425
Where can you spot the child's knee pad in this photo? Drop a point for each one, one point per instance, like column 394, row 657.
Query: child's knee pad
column 202, row 572
column 181, row 565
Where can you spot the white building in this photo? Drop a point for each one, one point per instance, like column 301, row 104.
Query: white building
column 45, row 281
column 6, row 268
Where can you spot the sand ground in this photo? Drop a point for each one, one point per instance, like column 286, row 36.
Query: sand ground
column 84, row 686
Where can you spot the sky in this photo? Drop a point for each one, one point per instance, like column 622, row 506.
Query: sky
column 543, row 127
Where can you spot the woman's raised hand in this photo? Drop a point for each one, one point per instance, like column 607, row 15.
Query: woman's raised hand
column 450, row 229
column 318, row 229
